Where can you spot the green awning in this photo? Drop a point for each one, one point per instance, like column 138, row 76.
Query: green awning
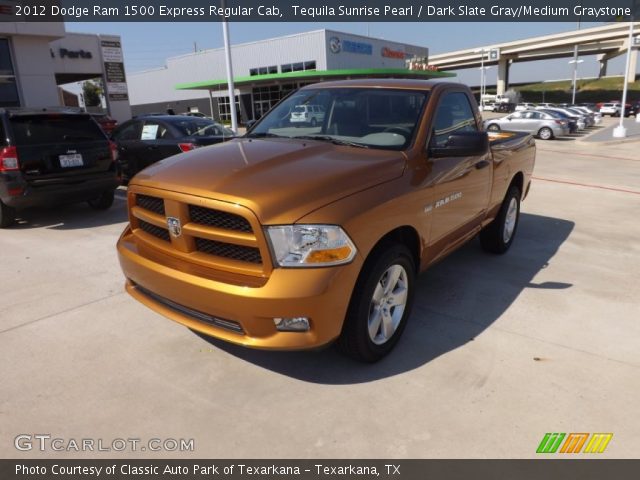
column 310, row 75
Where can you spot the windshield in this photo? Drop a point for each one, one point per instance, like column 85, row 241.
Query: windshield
column 200, row 127
column 366, row 117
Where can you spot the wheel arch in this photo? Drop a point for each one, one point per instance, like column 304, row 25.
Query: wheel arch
column 405, row 235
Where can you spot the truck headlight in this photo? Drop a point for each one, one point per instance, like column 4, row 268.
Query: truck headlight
column 310, row 245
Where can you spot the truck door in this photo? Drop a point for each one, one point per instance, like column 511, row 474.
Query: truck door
column 462, row 184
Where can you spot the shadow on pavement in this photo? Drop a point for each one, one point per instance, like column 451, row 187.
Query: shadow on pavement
column 456, row 300
column 73, row 216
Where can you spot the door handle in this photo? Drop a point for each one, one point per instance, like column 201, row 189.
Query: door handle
column 482, row 164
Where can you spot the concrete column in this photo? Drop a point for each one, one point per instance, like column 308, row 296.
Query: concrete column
column 633, row 65
column 603, row 68
column 503, row 76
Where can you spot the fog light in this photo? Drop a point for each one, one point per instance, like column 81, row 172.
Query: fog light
column 297, row 324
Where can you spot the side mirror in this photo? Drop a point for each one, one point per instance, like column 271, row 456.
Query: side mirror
column 463, row 144
column 250, row 124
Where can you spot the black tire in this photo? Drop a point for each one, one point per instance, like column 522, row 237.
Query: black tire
column 493, row 237
column 493, row 127
column 545, row 133
column 313, row 122
column 355, row 340
column 7, row 215
column 104, row 201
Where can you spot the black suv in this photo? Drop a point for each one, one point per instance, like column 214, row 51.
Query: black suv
column 49, row 157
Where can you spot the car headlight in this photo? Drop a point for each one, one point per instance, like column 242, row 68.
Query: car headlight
column 310, row 245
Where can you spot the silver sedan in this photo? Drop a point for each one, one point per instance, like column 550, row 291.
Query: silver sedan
column 535, row 122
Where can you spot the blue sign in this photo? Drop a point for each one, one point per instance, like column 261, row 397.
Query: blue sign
column 336, row 46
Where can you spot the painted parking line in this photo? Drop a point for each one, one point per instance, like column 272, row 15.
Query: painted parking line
column 588, row 185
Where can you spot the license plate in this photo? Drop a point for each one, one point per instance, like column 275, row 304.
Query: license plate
column 73, row 160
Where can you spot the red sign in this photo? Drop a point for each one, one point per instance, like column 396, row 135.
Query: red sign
column 387, row 52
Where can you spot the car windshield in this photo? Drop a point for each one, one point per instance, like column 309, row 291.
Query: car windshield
column 366, row 117
column 200, row 127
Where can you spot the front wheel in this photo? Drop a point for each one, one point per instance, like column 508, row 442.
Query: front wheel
column 493, row 128
column 380, row 304
column 545, row 133
column 102, row 202
column 498, row 236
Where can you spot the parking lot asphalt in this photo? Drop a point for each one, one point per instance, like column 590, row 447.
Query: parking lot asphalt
column 499, row 349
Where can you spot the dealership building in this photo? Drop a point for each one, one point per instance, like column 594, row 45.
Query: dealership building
column 266, row 70
column 36, row 58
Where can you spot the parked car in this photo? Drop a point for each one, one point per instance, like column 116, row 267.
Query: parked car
column 580, row 118
column 634, row 108
column 284, row 239
column 546, row 105
column 524, row 106
column 572, row 120
column 594, row 117
column 307, row 114
column 488, row 107
column 535, row 122
column 611, row 109
column 53, row 157
column 195, row 114
column 107, row 123
column 145, row 140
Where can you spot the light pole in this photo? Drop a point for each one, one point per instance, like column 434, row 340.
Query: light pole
column 481, row 52
column 620, row 131
column 575, row 62
column 227, row 55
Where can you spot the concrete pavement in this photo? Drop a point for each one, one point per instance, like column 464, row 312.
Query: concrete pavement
column 499, row 350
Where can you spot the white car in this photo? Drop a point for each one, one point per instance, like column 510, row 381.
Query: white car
column 612, row 109
column 307, row 114
column 545, row 105
column 524, row 106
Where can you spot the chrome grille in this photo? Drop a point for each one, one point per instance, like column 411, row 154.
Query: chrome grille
column 218, row 219
column 161, row 233
column 229, row 250
column 153, row 204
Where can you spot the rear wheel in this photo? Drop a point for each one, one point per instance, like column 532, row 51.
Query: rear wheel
column 498, row 236
column 493, row 128
column 380, row 305
column 102, row 202
column 545, row 133
column 7, row 215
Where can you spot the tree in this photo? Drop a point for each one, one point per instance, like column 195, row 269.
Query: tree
column 92, row 93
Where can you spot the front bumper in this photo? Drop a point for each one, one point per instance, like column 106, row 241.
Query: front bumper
column 179, row 293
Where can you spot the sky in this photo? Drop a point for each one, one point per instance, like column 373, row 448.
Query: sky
column 148, row 45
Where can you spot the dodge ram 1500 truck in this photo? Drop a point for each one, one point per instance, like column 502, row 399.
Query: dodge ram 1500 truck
column 294, row 236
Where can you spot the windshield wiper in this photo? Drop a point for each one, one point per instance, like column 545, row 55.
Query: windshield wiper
column 328, row 138
column 264, row 135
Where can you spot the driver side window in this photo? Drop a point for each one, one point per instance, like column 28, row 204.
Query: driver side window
column 454, row 114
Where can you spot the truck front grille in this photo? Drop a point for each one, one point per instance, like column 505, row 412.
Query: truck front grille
column 153, row 204
column 229, row 250
column 210, row 233
column 161, row 233
column 218, row 219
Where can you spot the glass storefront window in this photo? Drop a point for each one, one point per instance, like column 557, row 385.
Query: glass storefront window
column 8, row 86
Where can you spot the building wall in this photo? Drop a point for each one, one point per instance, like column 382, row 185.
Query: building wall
column 369, row 52
column 34, row 70
column 152, row 85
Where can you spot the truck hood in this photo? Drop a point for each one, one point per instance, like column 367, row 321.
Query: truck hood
column 280, row 180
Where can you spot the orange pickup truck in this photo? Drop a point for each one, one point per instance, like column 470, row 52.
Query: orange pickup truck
column 298, row 235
